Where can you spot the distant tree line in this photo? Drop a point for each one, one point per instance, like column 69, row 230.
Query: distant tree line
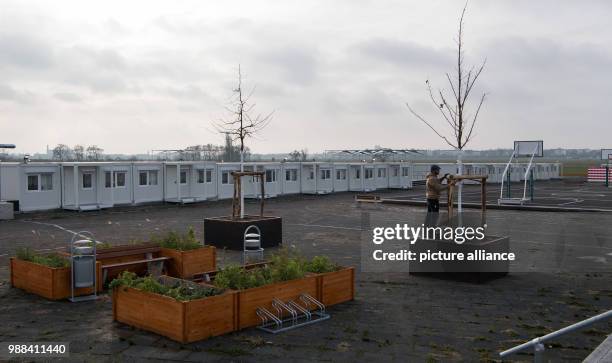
column 62, row 152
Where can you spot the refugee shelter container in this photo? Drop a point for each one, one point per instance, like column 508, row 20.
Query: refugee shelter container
column 203, row 187
column 180, row 185
column 555, row 171
column 10, row 187
column 290, row 177
column 272, row 179
column 271, row 176
column 355, row 176
column 225, row 180
column 340, row 177
column 148, row 186
column 400, row 176
column 39, row 186
column 381, row 175
column 369, row 177
column 308, row 178
column 325, row 181
column 95, row 185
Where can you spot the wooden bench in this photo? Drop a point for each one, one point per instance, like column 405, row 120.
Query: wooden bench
column 367, row 198
column 155, row 266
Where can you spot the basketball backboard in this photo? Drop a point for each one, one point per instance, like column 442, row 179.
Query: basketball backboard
column 606, row 154
column 529, row 148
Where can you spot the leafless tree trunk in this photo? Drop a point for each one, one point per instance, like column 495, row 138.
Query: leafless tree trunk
column 453, row 106
column 243, row 123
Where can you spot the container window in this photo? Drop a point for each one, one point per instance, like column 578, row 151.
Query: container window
column 200, row 176
column 46, row 181
column 87, row 181
column 143, row 178
column 33, row 182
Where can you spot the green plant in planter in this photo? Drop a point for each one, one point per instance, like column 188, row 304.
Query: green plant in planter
column 51, row 260
column 175, row 288
column 237, row 278
column 284, row 265
column 178, row 241
column 320, row 264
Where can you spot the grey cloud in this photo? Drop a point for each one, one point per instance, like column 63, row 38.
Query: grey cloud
column 23, row 51
column 189, row 92
column 402, row 53
column 68, row 97
column 298, row 65
column 8, row 93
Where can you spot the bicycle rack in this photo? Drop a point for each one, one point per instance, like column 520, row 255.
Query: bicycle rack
column 291, row 315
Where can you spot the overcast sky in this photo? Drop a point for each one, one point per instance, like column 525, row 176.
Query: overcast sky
column 131, row 76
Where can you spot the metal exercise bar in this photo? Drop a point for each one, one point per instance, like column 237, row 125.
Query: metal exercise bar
column 538, row 343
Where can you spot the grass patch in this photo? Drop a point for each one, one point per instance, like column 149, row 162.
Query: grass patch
column 180, row 290
column 51, row 260
column 178, row 241
column 284, row 265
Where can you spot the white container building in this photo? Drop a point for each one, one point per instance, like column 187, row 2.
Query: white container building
column 291, row 176
column 41, row 187
column 340, row 177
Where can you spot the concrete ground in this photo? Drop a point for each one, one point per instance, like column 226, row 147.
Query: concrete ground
column 563, row 275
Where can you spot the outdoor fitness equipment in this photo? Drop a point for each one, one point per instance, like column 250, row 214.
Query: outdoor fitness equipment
column 83, row 265
column 454, row 179
column 606, row 155
column 529, row 149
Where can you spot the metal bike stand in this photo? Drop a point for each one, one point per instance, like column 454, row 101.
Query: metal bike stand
column 291, row 315
column 83, row 265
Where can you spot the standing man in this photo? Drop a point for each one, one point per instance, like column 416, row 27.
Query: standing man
column 433, row 188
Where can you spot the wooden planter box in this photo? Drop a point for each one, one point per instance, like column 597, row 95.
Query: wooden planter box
column 225, row 232
column 336, row 287
column 52, row 283
column 182, row 321
column 185, row 264
column 251, row 299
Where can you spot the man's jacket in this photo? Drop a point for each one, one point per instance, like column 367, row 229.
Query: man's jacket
column 434, row 187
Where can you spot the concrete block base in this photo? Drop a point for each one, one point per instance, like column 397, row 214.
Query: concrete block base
column 6, row 211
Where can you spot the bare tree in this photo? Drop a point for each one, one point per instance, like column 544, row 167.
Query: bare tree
column 94, row 152
column 61, row 152
column 294, row 155
column 243, row 123
column 453, row 105
column 79, row 152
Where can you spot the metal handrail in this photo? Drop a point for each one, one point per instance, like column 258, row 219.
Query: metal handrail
column 501, row 193
column 538, row 343
column 527, row 174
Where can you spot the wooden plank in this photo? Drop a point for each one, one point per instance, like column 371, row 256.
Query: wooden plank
column 212, row 316
column 136, row 262
column 48, row 282
column 186, row 264
column 337, row 287
column 184, row 322
column 159, row 314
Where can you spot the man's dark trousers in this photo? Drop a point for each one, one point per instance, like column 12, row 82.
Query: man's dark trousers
column 433, row 205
